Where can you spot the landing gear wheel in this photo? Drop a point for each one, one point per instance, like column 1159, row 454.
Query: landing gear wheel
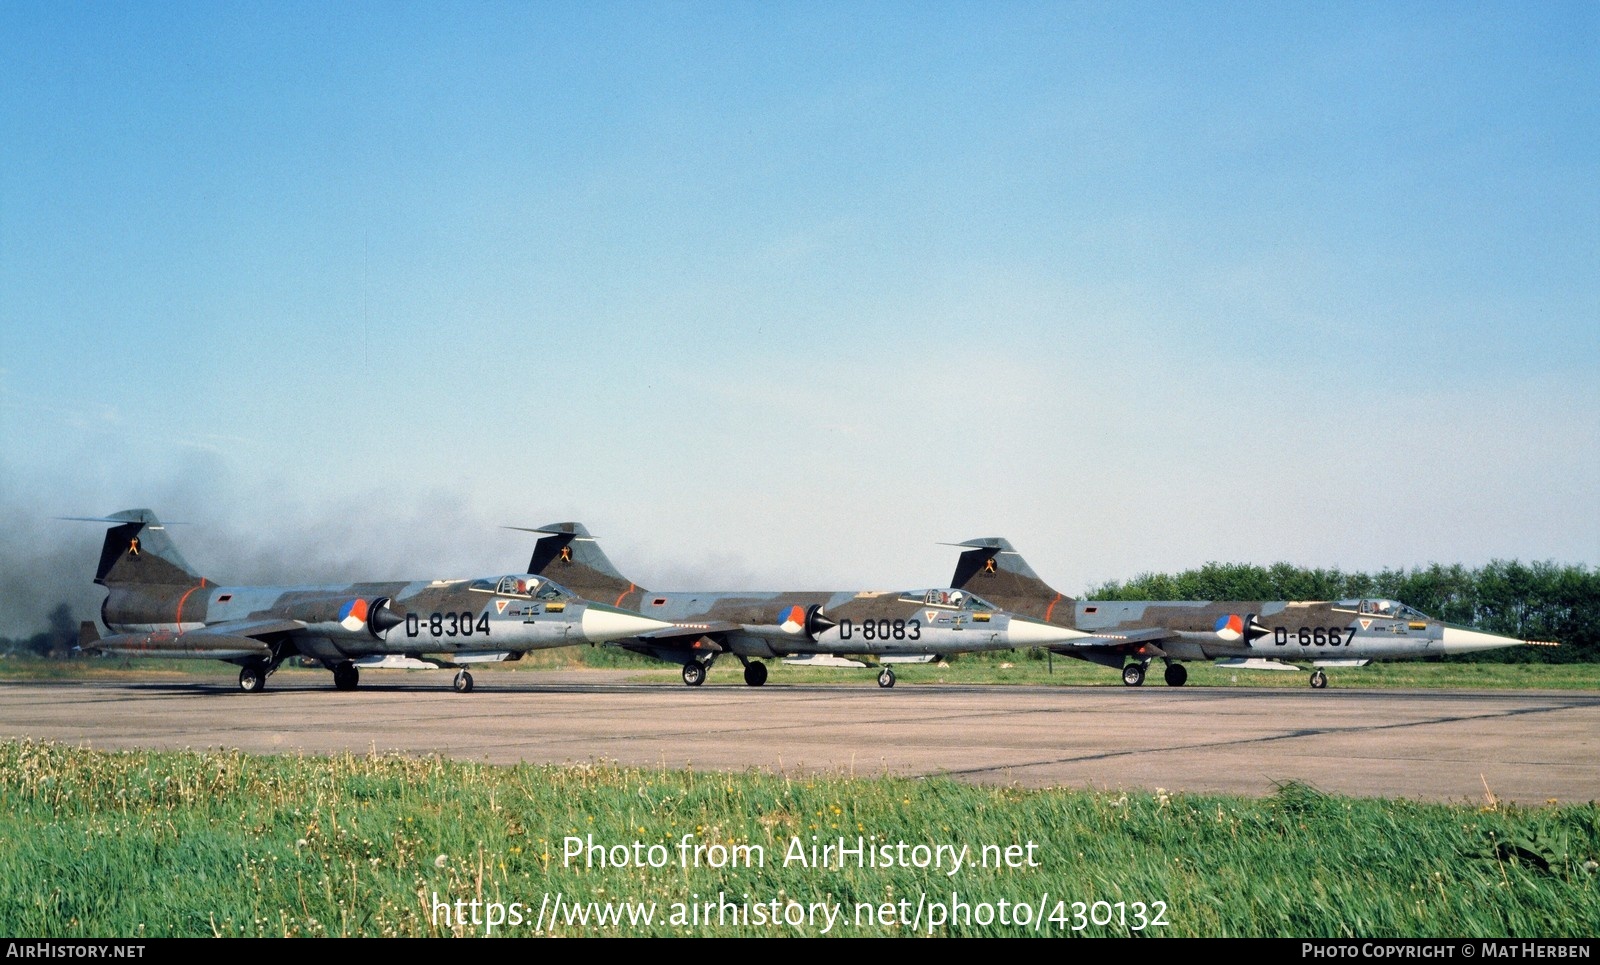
column 252, row 680
column 886, row 678
column 1319, row 680
column 1177, row 674
column 346, row 676
column 463, row 683
column 755, row 673
column 1133, row 674
column 694, row 673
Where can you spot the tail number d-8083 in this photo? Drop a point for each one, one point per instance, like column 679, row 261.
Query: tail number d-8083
column 881, row 629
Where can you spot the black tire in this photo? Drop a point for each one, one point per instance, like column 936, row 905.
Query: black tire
column 1177, row 675
column 886, row 678
column 346, row 677
column 462, row 683
column 755, row 673
column 694, row 673
column 1133, row 674
column 1319, row 680
column 252, row 680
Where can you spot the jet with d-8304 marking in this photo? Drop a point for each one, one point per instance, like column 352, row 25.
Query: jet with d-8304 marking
column 880, row 626
column 158, row 606
column 1253, row 635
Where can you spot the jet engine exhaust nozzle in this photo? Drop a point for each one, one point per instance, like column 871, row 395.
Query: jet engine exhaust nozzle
column 381, row 617
column 809, row 622
column 817, row 622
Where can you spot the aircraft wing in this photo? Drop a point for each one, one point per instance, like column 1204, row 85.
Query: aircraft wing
column 248, row 628
column 721, row 633
column 688, row 641
column 1145, row 640
column 686, row 634
column 233, row 640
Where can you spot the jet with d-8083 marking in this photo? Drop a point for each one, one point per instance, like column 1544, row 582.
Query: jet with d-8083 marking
column 158, row 606
column 880, row 626
column 1258, row 635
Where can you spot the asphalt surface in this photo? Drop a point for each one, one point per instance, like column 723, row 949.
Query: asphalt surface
column 1478, row 747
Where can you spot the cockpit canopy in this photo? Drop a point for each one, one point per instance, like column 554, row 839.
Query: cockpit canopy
column 958, row 599
column 524, row 586
column 1388, row 609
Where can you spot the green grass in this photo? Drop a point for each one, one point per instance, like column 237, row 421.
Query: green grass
column 153, row 844
column 1008, row 667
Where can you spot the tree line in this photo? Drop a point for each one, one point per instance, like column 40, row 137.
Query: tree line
column 1530, row 601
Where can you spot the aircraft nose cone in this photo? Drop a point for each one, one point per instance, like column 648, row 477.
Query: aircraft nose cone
column 1023, row 632
column 1459, row 640
column 602, row 624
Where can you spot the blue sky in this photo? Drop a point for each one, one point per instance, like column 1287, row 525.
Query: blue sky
column 782, row 295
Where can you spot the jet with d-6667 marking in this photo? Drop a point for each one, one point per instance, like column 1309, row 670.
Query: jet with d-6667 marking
column 158, row 606
column 880, row 626
column 1253, row 635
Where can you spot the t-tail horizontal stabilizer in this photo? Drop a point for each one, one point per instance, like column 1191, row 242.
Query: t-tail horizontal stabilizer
column 137, row 550
column 567, row 554
column 995, row 571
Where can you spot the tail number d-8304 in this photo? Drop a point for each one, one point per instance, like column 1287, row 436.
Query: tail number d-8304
column 463, row 624
column 881, row 629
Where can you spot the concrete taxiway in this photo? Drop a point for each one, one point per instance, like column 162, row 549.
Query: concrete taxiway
column 1527, row 747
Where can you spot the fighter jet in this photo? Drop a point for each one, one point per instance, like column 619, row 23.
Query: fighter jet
column 158, row 606
column 880, row 626
column 1255, row 635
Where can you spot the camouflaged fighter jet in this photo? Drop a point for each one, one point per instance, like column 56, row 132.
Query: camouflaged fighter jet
column 880, row 627
column 1253, row 635
column 158, row 606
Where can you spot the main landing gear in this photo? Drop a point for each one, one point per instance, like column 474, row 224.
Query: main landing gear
column 1176, row 674
column 1319, row 679
column 755, row 672
column 886, row 678
column 253, row 678
column 253, row 675
column 346, row 676
column 463, row 683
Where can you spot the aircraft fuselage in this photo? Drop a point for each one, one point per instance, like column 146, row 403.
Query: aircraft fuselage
column 353, row 620
column 867, row 622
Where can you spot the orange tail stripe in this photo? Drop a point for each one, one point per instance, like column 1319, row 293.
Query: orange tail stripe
column 181, row 599
column 1051, row 608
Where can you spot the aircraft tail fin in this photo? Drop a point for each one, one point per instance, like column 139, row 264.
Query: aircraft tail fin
column 567, row 554
column 999, row 574
column 137, row 550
